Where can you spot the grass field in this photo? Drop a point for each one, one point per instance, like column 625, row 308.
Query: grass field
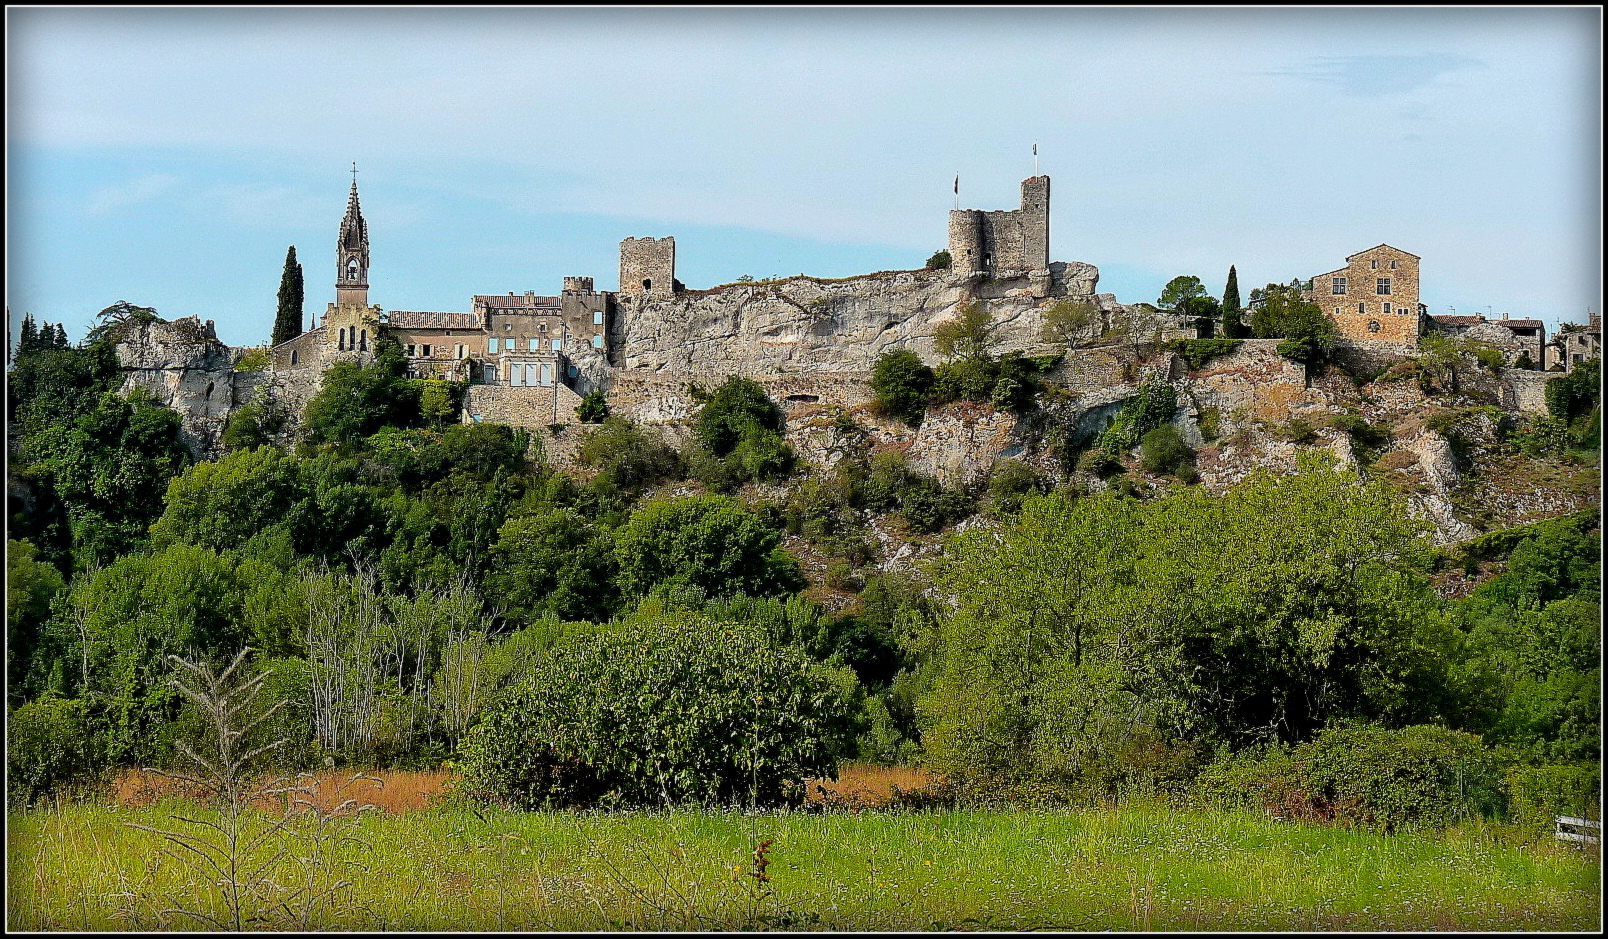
column 1134, row 868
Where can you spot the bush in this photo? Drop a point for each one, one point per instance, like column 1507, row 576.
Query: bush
column 1369, row 776
column 1150, row 408
column 734, row 411
column 1197, row 352
column 1009, row 483
column 1163, row 450
column 48, row 743
column 626, row 458
column 940, row 260
column 593, row 409
column 966, row 379
column 709, row 542
column 1538, row 794
column 678, row 710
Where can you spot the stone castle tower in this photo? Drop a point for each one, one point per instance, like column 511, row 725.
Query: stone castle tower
column 1011, row 242
column 349, row 322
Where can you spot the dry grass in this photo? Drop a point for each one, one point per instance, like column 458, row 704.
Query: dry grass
column 396, row 793
column 865, row 786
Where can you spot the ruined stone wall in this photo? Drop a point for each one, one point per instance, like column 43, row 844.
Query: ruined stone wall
column 1012, row 240
column 531, row 407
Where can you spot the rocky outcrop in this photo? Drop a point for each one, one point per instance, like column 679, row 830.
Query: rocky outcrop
column 806, row 324
column 184, row 366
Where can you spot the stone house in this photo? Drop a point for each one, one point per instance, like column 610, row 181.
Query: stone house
column 1374, row 297
column 1570, row 347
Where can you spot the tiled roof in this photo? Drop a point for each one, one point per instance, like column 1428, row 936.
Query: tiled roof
column 423, row 319
column 1521, row 323
column 1444, row 320
column 515, row 301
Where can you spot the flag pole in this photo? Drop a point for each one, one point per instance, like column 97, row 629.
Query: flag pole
column 1035, row 159
column 957, row 191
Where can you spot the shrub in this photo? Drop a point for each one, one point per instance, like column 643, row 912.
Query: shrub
column 593, row 409
column 48, row 743
column 710, row 542
column 1009, row 483
column 901, row 382
column 1197, row 352
column 926, row 506
column 1538, row 794
column 965, row 379
column 1369, row 776
column 733, row 411
column 661, row 712
column 1068, row 321
column 1163, row 450
column 253, row 360
column 940, row 260
column 1151, row 407
column 625, row 457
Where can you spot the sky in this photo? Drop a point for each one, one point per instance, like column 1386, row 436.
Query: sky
column 169, row 156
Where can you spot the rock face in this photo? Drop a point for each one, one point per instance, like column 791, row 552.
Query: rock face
column 807, row 325
column 184, row 366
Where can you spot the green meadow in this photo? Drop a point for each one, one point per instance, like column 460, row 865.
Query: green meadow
column 1133, row 868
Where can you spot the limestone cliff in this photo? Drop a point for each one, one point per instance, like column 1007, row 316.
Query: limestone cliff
column 185, row 367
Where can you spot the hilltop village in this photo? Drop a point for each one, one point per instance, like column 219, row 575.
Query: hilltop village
column 652, row 345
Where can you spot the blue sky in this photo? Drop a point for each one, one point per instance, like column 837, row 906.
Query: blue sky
column 169, row 156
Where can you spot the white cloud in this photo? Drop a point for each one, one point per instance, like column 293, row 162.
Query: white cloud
column 134, row 192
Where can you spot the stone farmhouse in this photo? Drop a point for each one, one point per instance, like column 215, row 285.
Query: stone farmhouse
column 1570, row 348
column 1374, row 299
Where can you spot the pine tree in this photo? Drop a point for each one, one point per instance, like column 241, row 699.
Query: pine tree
column 288, row 322
column 28, row 340
column 1233, row 325
column 61, row 337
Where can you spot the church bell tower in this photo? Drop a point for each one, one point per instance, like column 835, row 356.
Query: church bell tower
column 352, row 254
column 350, row 325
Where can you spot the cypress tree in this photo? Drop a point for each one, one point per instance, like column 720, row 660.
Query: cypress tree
column 288, row 322
column 28, row 340
column 1233, row 326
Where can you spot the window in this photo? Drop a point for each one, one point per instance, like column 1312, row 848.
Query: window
column 1373, row 326
column 491, row 344
column 1387, row 306
column 536, row 343
column 1383, row 286
column 488, row 373
column 1392, row 265
column 1362, row 308
column 341, row 345
column 545, row 373
column 597, row 341
column 1374, row 265
column 1338, row 286
column 597, row 317
column 293, row 356
column 427, row 352
column 459, row 351
column 412, row 351
column 558, row 345
column 516, row 374
column 573, row 371
column 362, row 342
column 1336, row 311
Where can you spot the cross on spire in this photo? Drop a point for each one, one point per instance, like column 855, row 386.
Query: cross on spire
column 354, row 172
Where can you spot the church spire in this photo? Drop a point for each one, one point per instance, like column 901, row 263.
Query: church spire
column 352, row 253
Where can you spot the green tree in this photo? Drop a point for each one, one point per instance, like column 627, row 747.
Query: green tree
column 709, row 542
column 1233, row 323
column 901, row 382
column 28, row 338
column 940, row 260
column 1070, row 322
column 659, row 713
column 735, row 409
column 1264, row 614
column 30, row 586
column 969, row 335
column 625, row 458
column 354, row 401
column 436, row 402
column 288, row 321
column 1178, row 293
column 593, row 409
column 1283, row 312
column 555, row 563
column 220, row 505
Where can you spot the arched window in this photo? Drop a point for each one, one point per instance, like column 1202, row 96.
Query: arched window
column 293, row 356
column 362, row 341
column 341, row 344
column 647, row 284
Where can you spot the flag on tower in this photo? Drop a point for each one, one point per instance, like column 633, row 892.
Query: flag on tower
column 1035, row 149
column 957, row 184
